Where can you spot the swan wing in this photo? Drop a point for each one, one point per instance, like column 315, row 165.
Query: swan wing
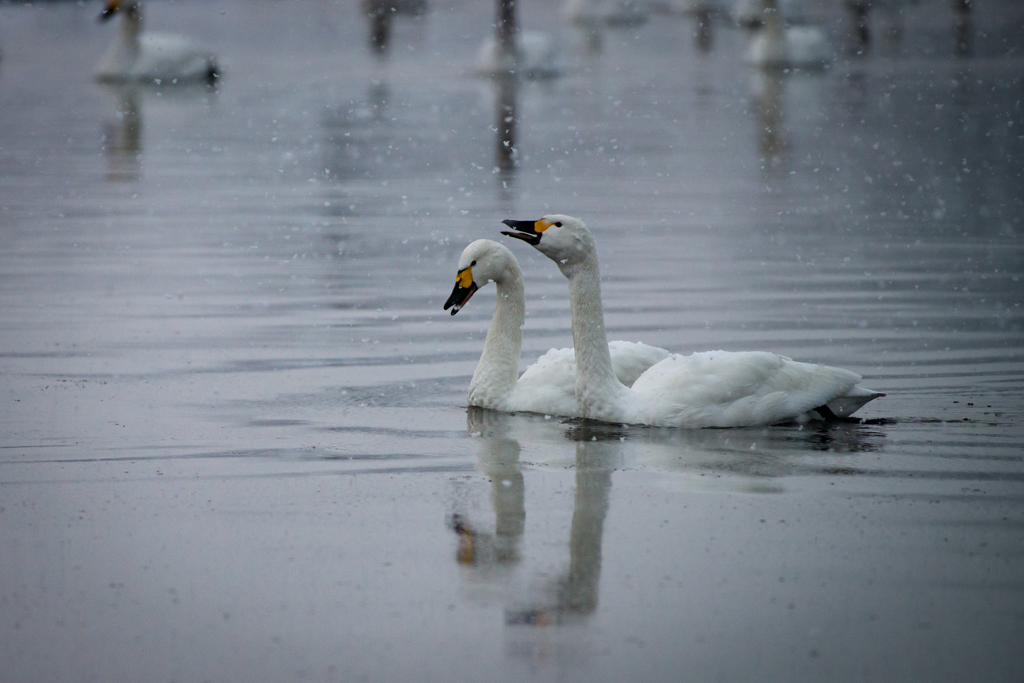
column 807, row 47
column 733, row 389
column 632, row 359
column 852, row 400
column 169, row 56
column 548, row 386
column 798, row 47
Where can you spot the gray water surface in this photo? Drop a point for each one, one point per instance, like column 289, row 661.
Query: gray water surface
column 235, row 441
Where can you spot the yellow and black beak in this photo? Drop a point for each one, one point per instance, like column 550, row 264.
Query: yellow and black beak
column 463, row 291
column 527, row 231
column 109, row 10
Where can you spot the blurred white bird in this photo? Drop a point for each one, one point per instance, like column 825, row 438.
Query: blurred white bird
column 537, row 56
column 779, row 45
column 153, row 57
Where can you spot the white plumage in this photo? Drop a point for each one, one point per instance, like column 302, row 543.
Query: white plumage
column 160, row 58
column 549, row 385
column 537, row 57
column 787, row 42
column 710, row 389
column 790, row 47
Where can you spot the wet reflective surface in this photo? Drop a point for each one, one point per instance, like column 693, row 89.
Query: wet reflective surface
column 235, row 439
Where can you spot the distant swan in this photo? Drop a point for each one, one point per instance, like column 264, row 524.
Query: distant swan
column 155, row 57
column 537, row 57
column 781, row 46
column 710, row 389
column 549, row 385
column 792, row 47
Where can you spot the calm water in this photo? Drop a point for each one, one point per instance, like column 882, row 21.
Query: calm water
column 235, row 443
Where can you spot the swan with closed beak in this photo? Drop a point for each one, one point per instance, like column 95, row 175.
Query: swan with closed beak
column 549, row 385
column 160, row 58
column 709, row 389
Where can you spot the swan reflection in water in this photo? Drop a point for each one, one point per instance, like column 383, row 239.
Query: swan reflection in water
column 122, row 136
column 751, row 460
column 768, row 89
column 573, row 594
column 498, row 458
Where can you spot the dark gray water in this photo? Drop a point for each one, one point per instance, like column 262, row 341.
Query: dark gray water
column 235, row 443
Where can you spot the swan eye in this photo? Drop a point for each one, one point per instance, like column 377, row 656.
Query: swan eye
column 472, row 264
column 558, row 225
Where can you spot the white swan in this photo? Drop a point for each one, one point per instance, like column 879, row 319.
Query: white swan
column 549, row 385
column 155, row 57
column 779, row 46
column 711, row 389
column 537, row 57
column 792, row 47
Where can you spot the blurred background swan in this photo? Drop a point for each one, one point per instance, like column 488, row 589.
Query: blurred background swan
column 160, row 58
column 783, row 37
column 537, row 57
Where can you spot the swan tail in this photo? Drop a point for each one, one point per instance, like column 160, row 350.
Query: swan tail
column 212, row 72
column 721, row 389
column 849, row 403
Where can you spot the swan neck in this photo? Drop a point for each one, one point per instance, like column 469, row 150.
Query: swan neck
column 598, row 391
column 498, row 370
column 131, row 25
column 123, row 52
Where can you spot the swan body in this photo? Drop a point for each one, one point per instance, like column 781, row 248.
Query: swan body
column 790, row 47
column 537, row 57
column 710, row 389
column 787, row 42
column 151, row 57
column 549, row 385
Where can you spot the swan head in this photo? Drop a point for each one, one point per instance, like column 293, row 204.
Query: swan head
column 481, row 262
column 112, row 7
column 563, row 239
